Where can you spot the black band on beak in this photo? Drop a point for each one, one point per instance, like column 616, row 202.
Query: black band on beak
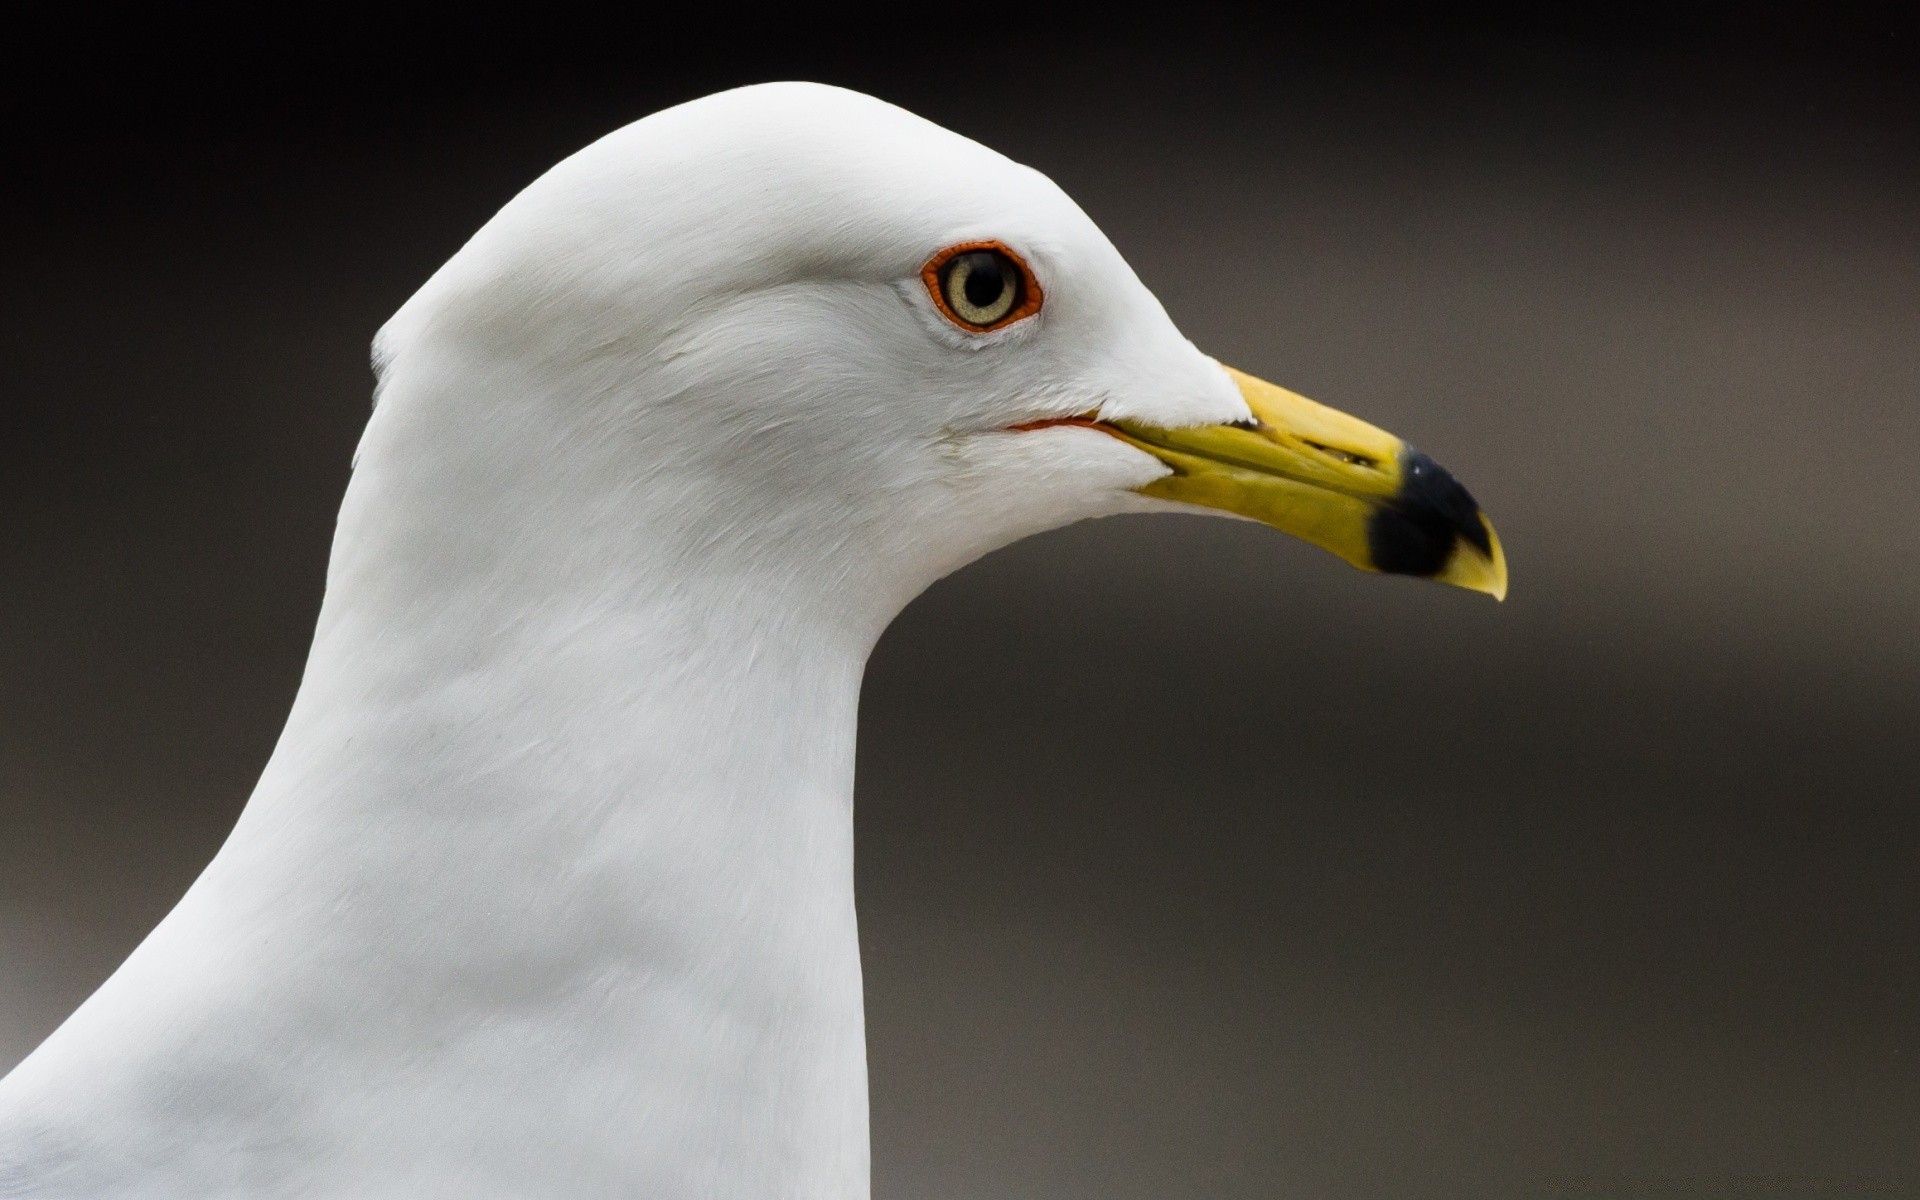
column 1415, row 532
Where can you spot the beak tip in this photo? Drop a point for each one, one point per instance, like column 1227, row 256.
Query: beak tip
column 1433, row 529
column 1491, row 577
column 1477, row 562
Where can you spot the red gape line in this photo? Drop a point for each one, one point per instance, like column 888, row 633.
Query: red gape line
column 1084, row 420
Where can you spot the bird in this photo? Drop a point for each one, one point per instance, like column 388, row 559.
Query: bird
column 547, row 886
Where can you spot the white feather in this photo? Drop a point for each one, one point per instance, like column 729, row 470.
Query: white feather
column 547, row 889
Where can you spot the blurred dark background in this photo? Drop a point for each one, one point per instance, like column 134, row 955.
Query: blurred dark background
column 1192, row 862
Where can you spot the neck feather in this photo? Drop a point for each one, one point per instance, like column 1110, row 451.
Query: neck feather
column 530, row 900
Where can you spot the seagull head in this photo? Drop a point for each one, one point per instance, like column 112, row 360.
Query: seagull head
column 795, row 325
column 548, row 886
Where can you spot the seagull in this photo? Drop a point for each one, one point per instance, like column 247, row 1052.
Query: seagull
column 547, row 887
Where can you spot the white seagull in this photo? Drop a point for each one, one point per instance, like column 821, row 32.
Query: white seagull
column 547, row 889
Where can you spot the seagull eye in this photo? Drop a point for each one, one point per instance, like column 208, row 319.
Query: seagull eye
column 981, row 286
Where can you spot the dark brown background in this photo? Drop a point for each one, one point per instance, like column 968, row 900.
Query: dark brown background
column 1192, row 863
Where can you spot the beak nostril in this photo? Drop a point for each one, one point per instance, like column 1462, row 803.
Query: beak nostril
column 1345, row 456
column 1250, row 424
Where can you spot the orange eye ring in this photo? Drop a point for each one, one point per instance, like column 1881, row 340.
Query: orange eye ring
column 947, row 275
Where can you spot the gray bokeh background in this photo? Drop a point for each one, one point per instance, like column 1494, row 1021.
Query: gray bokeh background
column 1191, row 861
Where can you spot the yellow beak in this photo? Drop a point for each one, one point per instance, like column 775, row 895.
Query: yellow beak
column 1332, row 480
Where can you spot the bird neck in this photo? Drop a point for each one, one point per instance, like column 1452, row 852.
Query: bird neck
column 550, row 903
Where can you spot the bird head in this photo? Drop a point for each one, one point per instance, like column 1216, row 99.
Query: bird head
column 832, row 335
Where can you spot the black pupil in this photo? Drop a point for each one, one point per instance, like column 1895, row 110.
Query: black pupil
column 986, row 280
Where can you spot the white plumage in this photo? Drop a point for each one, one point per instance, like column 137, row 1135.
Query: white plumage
column 547, row 889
